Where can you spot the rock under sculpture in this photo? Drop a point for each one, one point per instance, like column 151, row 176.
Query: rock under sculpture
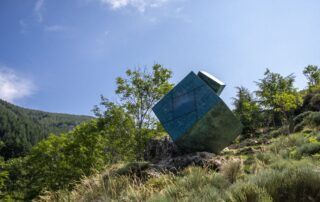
column 196, row 117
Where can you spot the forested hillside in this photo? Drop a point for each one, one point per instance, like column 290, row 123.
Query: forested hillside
column 22, row 128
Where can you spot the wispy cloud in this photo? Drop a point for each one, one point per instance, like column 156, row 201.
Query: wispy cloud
column 14, row 86
column 140, row 5
column 38, row 8
column 54, row 28
column 23, row 26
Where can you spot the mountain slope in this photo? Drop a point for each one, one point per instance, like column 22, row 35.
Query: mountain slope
column 22, row 128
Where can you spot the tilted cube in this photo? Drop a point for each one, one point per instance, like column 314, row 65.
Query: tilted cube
column 195, row 116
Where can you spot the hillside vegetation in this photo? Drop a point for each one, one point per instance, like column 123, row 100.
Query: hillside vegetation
column 22, row 128
column 276, row 158
column 286, row 169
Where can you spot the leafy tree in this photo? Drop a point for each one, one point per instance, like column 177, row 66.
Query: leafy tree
column 58, row 161
column 270, row 86
column 138, row 92
column 118, row 127
column 286, row 103
column 16, row 183
column 247, row 110
column 312, row 73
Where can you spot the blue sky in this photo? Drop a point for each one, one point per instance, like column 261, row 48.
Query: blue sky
column 60, row 55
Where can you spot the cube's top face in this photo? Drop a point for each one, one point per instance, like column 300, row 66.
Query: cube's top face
column 185, row 104
column 212, row 81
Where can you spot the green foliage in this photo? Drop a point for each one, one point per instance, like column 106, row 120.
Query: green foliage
column 295, row 183
column 196, row 184
column 56, row 162
column 271, row 85
column 277, row 95
column 311, row 101
column 118, row 128
column 307, row 120
column 247, row 192
column 312, row 73
column 118, row 134
column 21, row 128
column 287, row 101
column 282, row 181
column 309, row 148
column 247, row 110
column 139, row 92
column 16, row 183
column 3, row 178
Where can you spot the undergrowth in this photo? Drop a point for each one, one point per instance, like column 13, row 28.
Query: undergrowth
column 287, row 170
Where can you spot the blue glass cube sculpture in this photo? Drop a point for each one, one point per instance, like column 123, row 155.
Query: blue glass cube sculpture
column 195, row 116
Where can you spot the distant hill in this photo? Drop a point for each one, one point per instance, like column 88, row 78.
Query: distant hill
column 22, row 128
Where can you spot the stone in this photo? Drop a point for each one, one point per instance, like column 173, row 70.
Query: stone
column 195, row 117
column 164, row 155
column 158, row 149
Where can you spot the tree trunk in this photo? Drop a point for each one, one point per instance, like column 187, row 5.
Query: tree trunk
column 291, row 124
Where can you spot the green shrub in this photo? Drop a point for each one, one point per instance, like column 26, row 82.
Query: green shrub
column 248, row 192
column 232, row 170
column 293, row 183
column 307, row 120
column 314, row 119
column 315, row 101
column 285, row 142
column 298, row 119
column 284, row 130
column 266, row 158
column 309, row 148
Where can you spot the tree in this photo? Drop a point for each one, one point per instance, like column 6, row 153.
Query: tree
column 56, row 162
column 118, row 127
column 247, row 110
column 270, row 86
column 286, row 103
column 138, row 93
column 312, row 73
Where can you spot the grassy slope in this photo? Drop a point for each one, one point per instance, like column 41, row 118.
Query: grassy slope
column 285, row 168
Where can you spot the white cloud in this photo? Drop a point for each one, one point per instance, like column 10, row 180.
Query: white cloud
column 38, row 7
column 13, row 86
column 54, row 28
column 141, row 5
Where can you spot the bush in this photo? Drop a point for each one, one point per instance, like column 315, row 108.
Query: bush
column 314, row 119
column 309, row 148
column 290, row 183
column 315, row 102
column 284, row 130
column 286, row 142
column 307, row 120
column 248, row 192
column 298, row 121
column 232, row 170
column 266, row 158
